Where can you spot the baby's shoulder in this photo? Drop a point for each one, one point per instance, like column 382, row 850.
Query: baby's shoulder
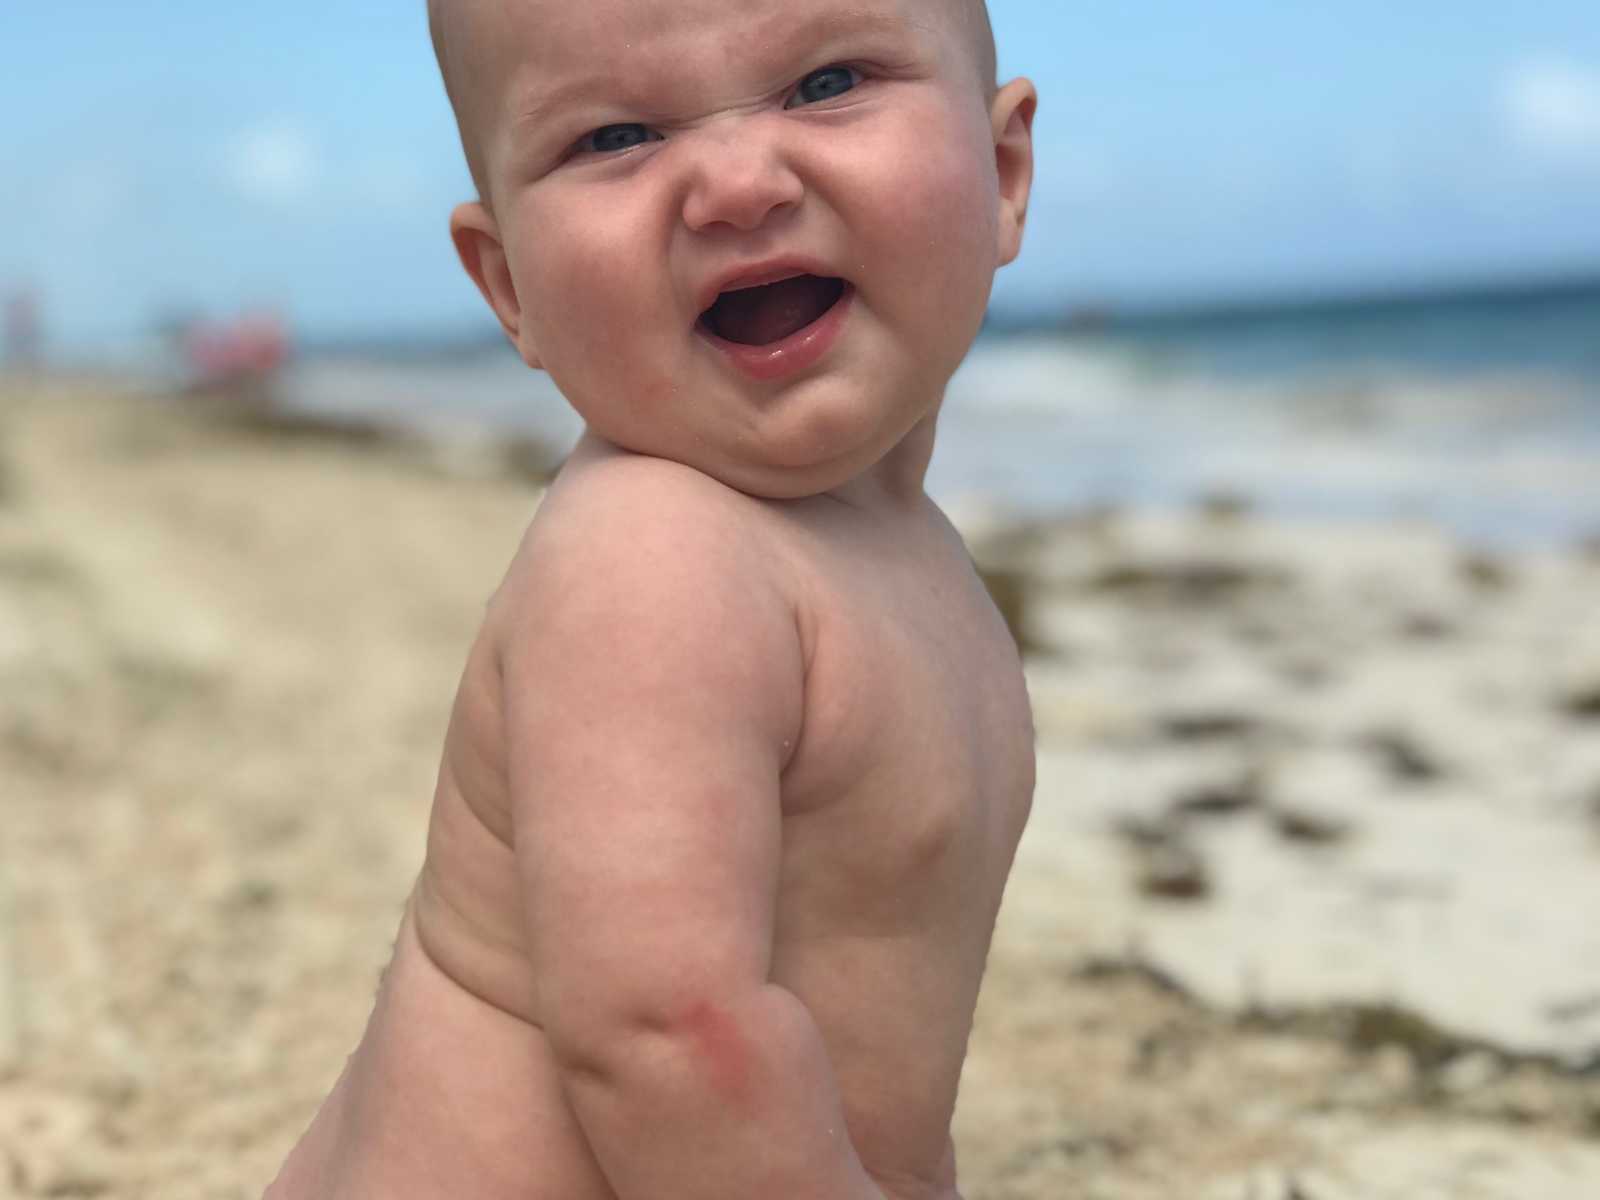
column 646, row 540
column 611, row 483
column 634, row 512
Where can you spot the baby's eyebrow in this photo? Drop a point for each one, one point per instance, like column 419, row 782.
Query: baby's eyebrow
column 539, row 106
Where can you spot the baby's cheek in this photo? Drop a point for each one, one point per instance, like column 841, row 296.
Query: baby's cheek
column 938, row 208
column 947, row 252
column 581, row 259
column 575, row 288
column 583, row 301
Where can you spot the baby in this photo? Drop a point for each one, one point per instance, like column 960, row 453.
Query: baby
column 741, row 756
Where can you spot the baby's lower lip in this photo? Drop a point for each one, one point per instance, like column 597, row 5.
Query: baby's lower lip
column 788, row 356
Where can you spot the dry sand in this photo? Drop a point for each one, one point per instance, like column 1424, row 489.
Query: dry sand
column 227, row 653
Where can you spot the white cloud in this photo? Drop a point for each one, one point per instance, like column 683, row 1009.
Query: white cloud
column 1553, row 108
column 272, row 164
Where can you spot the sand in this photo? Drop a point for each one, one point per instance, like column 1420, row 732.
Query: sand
column 227, row 651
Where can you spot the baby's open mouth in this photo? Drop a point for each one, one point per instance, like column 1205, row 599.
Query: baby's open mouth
column 759, row 316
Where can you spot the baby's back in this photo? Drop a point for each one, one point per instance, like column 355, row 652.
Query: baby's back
column 901, row 803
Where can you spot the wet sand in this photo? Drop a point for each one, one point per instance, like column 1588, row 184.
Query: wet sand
column 227, row 651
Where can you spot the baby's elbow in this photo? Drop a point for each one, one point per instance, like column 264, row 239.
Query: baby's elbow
column 693, row 1043
column 595, row 1044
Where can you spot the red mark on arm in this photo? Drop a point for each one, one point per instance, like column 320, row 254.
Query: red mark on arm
column 723, row 1047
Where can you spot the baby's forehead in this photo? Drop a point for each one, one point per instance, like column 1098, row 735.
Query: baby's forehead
column 597, row 29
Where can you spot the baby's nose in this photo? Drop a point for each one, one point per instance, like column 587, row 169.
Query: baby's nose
column 738, row 177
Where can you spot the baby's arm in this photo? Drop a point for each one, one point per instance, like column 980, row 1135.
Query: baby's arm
column 654, row 692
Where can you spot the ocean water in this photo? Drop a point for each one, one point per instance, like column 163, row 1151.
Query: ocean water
column 1480, row 412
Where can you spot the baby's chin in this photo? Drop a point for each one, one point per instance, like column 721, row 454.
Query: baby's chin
column 818, row 445
column 771, row 481
column 764, row 479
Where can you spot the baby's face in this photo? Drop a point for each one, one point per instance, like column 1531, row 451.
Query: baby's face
column 756, row 238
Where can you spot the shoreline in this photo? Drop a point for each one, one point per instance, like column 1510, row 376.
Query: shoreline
column 1505, row 457
column 227, row 652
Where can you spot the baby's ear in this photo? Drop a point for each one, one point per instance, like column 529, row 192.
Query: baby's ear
column 1011, row 117
column 477, row 237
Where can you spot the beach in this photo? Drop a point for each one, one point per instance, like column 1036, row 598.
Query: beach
column 1304, row 912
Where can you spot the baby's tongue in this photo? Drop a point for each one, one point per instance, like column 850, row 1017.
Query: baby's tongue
column 759, row 315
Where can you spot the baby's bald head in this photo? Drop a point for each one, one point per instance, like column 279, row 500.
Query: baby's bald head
column 981, row 36
column 447, row 25
column 453, row 25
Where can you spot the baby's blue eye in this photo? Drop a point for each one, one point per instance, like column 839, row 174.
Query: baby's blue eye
column 609, row 139
column 824, row 85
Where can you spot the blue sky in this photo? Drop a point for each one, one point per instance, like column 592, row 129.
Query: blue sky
column 184, row 155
